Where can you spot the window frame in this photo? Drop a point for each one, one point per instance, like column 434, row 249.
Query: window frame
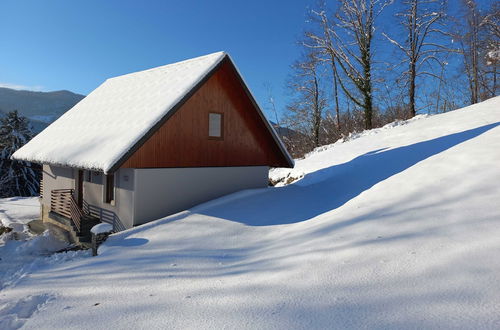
column 109, row 194
column 221, row 137
column 87, row 176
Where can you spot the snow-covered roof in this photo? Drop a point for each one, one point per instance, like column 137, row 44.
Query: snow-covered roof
column 99, row 131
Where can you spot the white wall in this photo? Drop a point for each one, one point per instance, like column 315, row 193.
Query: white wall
column 164, row 191
column 123, row 206
column 143, row 195
column 55, row 177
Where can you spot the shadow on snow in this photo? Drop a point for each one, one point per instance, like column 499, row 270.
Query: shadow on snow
column 327, row 189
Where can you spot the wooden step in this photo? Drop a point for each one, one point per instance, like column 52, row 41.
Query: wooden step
column 61, row 219
column 82, row 238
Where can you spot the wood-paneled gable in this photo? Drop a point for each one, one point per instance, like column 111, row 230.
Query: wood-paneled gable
column 183, row 141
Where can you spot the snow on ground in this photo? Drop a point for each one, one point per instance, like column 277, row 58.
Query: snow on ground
column 21, row 253
column 398, row 228
column 18, row 211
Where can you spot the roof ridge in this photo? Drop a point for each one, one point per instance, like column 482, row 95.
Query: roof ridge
column 221, row 53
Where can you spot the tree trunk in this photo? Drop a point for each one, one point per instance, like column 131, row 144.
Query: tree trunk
column 316, row 114
column 336, row 94
column 368, row 112
column 473, row 54
column 475, row 94
column 413, row 75
column 494, row 90
column 367, row 89
column 414, row 56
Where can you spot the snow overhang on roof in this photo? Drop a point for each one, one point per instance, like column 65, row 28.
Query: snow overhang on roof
column 101, row 130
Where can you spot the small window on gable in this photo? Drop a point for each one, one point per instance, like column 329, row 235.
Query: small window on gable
column 215, row 125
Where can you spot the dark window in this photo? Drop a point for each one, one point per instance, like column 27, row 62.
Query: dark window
column 215, row 125
column 88, row 176
column 110, row 188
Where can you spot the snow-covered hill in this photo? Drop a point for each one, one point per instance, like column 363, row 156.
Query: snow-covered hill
column 41, row 108
column 397, row 228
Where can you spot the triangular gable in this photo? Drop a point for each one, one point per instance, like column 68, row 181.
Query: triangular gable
column 100, row 131
column 182, row 138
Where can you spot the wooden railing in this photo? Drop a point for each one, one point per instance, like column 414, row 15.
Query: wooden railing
column 103, row 215
column 63, row 203
column 41, row 188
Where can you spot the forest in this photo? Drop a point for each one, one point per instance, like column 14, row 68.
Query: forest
column 366, row 63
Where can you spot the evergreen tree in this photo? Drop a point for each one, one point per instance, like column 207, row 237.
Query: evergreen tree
column 16, row 178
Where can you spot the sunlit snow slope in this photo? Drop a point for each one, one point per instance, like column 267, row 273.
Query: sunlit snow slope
column 397, row 228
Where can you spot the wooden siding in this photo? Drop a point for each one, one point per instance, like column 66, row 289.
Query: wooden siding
column 183, row 141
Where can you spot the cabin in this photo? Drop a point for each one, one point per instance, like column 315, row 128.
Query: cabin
column 152, row 143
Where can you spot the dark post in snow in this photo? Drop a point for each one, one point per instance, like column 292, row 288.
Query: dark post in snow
column 99, row 234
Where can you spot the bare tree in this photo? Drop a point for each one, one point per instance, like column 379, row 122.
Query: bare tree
column 490, row 23
column 470, row 48
column 355, row 23
column 323, row 43
column 479, row 38
column 306, row 110
column 271, row 103
column 420, row 47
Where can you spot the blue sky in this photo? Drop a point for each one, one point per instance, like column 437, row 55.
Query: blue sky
column 54, row 45
column 76, row 45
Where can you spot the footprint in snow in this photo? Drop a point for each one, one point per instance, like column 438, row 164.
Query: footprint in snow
column 13, row 315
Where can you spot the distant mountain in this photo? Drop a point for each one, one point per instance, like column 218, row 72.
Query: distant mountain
column 42, row 108
column 284, row 132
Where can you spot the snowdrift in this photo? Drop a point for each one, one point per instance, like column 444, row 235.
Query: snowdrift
column 397, row 228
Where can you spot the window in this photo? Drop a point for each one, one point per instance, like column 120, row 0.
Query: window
column 215, row 125
column 92, row 177
column 110, row 188
column 87, row 176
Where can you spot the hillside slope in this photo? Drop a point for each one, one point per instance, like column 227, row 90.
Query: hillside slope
column 398, row 228
column 42, row 108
